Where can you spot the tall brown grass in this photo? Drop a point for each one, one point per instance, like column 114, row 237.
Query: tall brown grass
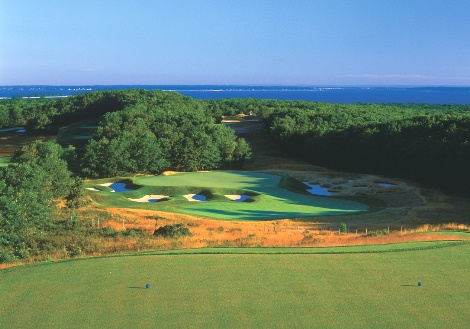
column 275, row 233
column 216, row 233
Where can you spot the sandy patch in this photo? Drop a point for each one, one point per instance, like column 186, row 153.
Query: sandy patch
column 237, row 197
column 150, row 198
column 195, row 197
column 93, row 189
column 169, row 173
column 230, row 121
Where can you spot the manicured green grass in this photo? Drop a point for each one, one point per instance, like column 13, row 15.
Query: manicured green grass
column 372, row 290
column 269, row 201
column 4, row 161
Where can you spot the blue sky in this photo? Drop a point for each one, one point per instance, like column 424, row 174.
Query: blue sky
column 260, row 42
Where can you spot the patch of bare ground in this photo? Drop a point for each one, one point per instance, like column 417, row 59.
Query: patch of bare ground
column 9, row 144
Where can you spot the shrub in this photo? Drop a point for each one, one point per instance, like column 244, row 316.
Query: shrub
column 172, row 231
column 343, row 228
column 378, row 232
column 7, row 257
column 108, row 232
column 73, row 250
column 133, row 232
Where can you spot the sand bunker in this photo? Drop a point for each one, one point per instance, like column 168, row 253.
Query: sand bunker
column 237, row 197
column 150, row 198
column 386, row 185
column 195, row 197
column 316, row 189
column 117, row 187
column 93, row 189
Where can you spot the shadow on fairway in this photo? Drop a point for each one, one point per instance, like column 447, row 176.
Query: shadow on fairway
column 136, row 287
column 217, row 212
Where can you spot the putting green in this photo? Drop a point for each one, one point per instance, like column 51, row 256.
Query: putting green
column 376, row 290
column 272, row 201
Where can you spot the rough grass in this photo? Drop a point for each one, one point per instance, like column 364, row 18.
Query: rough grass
column 235, row 290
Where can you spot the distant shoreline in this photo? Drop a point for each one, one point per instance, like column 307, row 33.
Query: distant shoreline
column 329, row 94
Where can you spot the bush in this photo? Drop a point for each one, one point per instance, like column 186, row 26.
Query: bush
column 73, row 250
column 133, row 232
column 172, row 231
column 378, row 232
column 343, row 228
column 7, row 257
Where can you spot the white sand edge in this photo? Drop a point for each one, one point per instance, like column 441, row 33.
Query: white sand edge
column 237, row 197
column 108, row 185
column 190, row 197
column 148, row 197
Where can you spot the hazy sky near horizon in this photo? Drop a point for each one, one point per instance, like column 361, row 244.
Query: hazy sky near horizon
column 261, row 42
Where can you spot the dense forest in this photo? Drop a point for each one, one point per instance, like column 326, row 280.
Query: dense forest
column 139, row 131
column 428, row 146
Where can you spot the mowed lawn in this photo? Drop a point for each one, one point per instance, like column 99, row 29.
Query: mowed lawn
column 274, row 202
column 371, row 290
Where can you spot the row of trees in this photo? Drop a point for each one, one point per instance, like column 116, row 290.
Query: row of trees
column 48, row 115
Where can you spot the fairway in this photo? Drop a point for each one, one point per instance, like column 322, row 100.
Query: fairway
column 271, row 201
column 376, row 290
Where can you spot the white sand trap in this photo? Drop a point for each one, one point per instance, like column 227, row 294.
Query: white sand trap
column 108, row 185
column 195, row 197
column 237, row 197
column 316, row 189
column 93, row 189
column 150, row 198
column 117, row 187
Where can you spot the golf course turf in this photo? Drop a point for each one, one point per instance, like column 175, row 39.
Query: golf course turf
column 270, row 200
column 233, row 290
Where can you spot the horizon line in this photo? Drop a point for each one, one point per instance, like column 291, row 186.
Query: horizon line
column 250, row 85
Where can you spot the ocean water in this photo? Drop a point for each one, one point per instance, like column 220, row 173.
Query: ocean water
column 427, row 95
